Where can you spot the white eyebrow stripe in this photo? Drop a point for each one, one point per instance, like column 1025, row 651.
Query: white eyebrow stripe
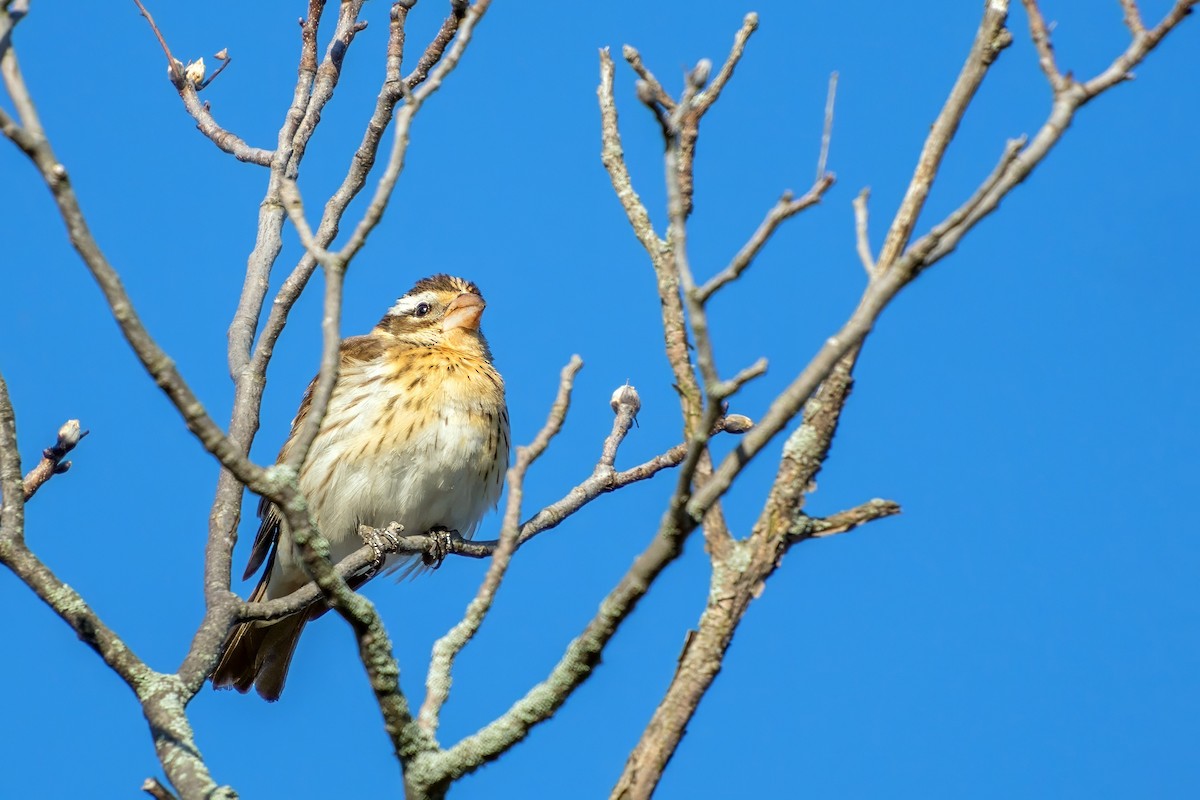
column 409, row 303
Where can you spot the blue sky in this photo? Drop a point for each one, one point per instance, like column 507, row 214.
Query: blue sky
column 1028, row 627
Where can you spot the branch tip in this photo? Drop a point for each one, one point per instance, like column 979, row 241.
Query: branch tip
column 626, row 395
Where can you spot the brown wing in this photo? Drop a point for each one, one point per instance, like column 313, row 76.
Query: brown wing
column 264, row 541
column 355, row 349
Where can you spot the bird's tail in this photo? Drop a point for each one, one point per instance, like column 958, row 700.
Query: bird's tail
column 258, row 653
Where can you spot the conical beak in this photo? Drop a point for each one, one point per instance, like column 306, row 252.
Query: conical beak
column 464, row 311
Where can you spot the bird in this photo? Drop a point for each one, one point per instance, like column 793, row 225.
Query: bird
column 416, row 432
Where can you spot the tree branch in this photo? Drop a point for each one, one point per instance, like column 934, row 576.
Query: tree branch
column 843, row 521
column 1045, row 50
column 827, row 130
column 991, row 38
column 862, row 238
column 159, row 695
column 52, row 457
column 225, row 140
column 786, row 208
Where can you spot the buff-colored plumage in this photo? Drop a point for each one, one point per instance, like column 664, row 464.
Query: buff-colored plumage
column 416, row 433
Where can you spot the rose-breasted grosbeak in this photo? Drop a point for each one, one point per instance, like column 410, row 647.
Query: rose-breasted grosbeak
column 416, row 433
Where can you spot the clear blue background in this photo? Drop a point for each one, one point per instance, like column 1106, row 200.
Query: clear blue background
column 1028, row 627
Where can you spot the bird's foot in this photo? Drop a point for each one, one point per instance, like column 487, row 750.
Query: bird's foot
column 441, row 541
column 382, row 541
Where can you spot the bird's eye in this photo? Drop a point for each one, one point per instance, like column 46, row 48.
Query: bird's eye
column 422, row 309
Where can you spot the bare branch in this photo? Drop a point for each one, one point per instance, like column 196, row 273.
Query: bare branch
column 990, row 40
column 827, row 130
column 674, row 325
column 706, row 98
column 404, row 118
column 314, row 86
column 267, row 246
column 223, row 139
column 160, row 695
column 436, row 48
column 52, row 457
column 12, row 485
column 576, row 665
column 13, row 12
column 13, row 79
column 602, row 481
column 327, row 375
column 1040, row 35
column 1133, row 18
column 613, row 157
column 861, row 236
column 1014, row 167
column 156, row 362
column 326, row 79
column 844, row 521
column 1138, row 49
column 657, row 92
column 293, row 204
column 942, row 233
column 726, row 389
column 786, row 208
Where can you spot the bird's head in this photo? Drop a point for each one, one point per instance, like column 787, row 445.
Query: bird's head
column 440, row 310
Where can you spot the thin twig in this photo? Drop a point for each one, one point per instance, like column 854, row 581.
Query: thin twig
column 52, row 457
column 991, row 38
column 827, row 129
column 1015, row 165
column 1139, row 48
column 249, row 382
column 404, row 120
column 580, row 657
column 602, row 480
column 728, row 388
column 1040, row 35
column 225, row 59
column 844, row 521
column 154, row 360
column 697, row 463
column 1133, row 17
column 11, row 13
column 159, row 695
column 223, row 139
column 436, row 48
column 862, row 237
column 293, row 204
column 613, row 157
column 659, row 94
column 942, row 234
column 706, row 98
column 783, row 210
